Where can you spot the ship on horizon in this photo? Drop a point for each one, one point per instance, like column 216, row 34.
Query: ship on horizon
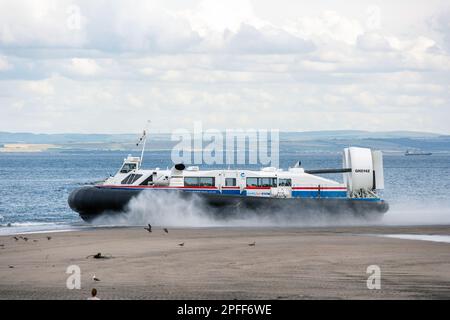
column 417, row 153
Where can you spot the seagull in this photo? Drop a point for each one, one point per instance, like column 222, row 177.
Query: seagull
column 149, row 228
column 252, row 244
column 95, row 278
column 99, row 256
column 165, row 230
column 181, row 244
column 49, row 238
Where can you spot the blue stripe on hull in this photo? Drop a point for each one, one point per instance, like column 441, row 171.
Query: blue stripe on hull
column 202, row 191
column 231, row 191
column 315, row 194
column 295, row 193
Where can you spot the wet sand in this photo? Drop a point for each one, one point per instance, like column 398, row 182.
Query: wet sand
column 218, row 263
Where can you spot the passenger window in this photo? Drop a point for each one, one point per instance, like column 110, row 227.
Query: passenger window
column 190, row 181
column 267, row 182
column 252, row 182
column 199, row 181
column 230, row 182
column 206, row 182
column 261, row 182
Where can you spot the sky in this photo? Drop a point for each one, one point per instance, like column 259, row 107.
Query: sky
column 108, row 66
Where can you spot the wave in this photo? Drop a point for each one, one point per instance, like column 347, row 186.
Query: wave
column 31, row 227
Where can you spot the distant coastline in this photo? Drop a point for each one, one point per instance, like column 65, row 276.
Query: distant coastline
column 305, row 142
column 26, row 147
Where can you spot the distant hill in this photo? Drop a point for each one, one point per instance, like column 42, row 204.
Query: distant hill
column 308, row 141
column 354, row 134
column 25, row 137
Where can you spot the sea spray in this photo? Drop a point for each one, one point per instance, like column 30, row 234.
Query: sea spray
column 177, row 209
column 163, row 208
column 418, row 213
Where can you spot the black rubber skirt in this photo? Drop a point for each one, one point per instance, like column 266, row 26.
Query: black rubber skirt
column 91, row 202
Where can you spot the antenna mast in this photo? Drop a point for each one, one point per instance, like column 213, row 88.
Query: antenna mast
column 143, row 139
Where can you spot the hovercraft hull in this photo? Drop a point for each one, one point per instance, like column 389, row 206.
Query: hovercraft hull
column 93, row 201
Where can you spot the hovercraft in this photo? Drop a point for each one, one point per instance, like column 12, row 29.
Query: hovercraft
column 227, row 193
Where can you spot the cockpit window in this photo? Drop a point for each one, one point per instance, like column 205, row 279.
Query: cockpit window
column 127, row 167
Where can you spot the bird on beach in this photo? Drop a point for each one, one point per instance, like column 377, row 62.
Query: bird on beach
column 149, row 228
column 165, row 230
column 100, row 256
column 252, row 244
column 15, row 238
column 181, row 244
column 25, row 238
column 49, row 238
column 11, row 267
column 35, row 240
column 95, row 278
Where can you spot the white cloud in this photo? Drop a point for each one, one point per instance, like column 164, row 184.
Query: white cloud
column 83, row 67
column 28, row 23
column 43, row 87
column 304, row 67
column 329, row 25
column 373, row 42
column 267, row 40
column 366, row 99
column 216, row 16
column 440, row 22
column 4, row 64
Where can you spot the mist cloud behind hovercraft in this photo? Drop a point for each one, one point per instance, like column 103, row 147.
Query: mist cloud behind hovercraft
column 171, row 210
column 293, row 65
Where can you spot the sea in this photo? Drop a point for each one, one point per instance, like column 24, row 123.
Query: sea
column 34, row 187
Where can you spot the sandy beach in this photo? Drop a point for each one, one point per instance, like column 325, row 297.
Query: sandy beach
column 219, row 263
column 26, row 147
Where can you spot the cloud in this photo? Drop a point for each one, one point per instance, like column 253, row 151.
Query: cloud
column 28, row 23
column 216, row 16
column 116, row 26
column 440, row 22
column 66, row 65
column 39, row 87
column 266, row 40
column 371, row 41
column 328, row 26
column 83, row 67
column 140, row 26
column 4, row 64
